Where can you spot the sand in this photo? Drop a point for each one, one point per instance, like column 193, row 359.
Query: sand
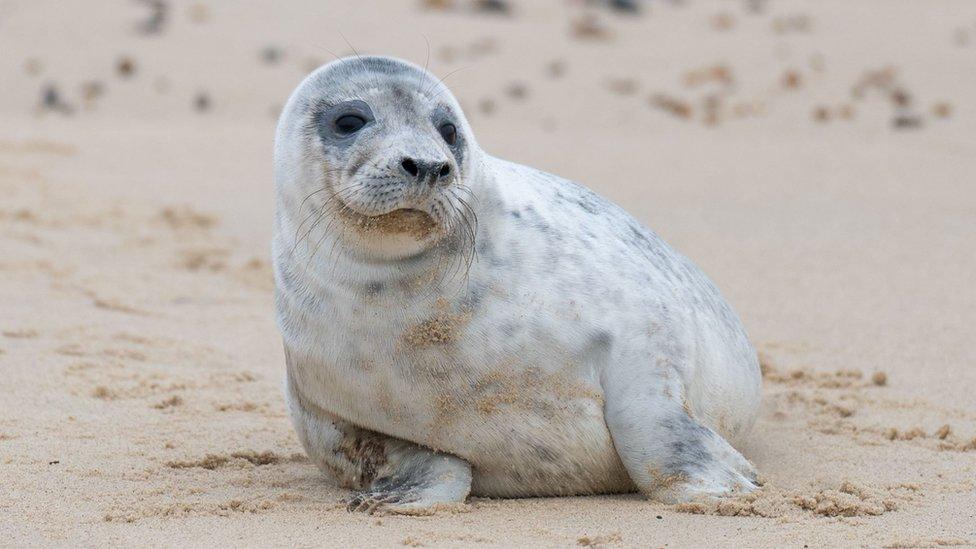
column 817, row 159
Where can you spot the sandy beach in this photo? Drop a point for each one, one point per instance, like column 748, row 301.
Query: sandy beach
column 816, row 159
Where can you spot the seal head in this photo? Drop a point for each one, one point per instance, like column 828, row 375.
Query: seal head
column 382, row 147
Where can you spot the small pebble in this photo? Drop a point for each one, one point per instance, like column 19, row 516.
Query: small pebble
column 437, row 4
column 879, row 378
column 50, row 97
column 674, row 106
column 942, row 110
column 493, row 6
column 486, row 106
column 556, row 69
column 157, row 17
column 821, row 114
column 517, row 90
column 271, row 55
column 792, row 80
column 625, row 6
column 905, row 121
column 755, row 7
column 943, row 431
column 720, row 74
column 901, row 97
column 202, row 102
column 51, row 100
column 589, row 26
column 125, row 66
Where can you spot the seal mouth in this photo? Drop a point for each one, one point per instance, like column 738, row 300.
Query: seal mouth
column 412, row 222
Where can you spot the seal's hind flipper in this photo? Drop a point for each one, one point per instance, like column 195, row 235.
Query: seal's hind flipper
column 671, row 456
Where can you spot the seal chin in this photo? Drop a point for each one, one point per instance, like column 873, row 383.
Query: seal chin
column 417, row 224
column 392, row 235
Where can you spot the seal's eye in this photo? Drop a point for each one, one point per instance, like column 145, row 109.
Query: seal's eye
column 349, row 123
column 449, row 133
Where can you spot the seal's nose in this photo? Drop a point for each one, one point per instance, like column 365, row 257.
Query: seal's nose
column 423, row 170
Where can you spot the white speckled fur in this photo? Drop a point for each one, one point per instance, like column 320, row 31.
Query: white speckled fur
column 578, row 354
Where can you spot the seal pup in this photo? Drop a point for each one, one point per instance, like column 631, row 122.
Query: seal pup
column 455, row 323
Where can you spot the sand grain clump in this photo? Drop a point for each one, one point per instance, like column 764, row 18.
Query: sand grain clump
column 442, row 327
column 243, row 457
column 600, row 541
column 414, row 223
column 170, row 402
column 847, row 500
column 185, row 217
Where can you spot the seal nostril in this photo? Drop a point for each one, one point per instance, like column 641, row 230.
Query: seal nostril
column 445, row 170
column 410, row 166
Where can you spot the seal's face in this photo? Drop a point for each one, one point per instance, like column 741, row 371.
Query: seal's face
column 392, row 149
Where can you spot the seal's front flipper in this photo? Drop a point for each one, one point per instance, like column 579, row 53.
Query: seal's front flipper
column 392, row 475
column 420, row 481
column 671, row 456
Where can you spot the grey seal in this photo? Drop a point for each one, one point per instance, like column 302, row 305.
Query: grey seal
column 458, row 324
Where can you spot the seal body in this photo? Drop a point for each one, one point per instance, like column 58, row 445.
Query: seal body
column 474, row 325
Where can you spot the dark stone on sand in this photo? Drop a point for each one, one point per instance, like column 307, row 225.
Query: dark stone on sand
column 156, row 21
column 125, row 66
column 517, row 90
column 493, row 6
column 906, row 121
column 626, row 6
column 50, row 97
column 202, row 102
column 272, row 55
column 51, row 100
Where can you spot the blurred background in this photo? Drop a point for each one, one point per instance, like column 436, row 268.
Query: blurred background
column 816, row 159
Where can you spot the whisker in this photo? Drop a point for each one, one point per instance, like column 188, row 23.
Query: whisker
column 420, row 76
column 442, row 79
column 320, row 213
column 302, row 206
column 466, row 238
column 330, row 52
column 342, row 207
column 362, row 62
